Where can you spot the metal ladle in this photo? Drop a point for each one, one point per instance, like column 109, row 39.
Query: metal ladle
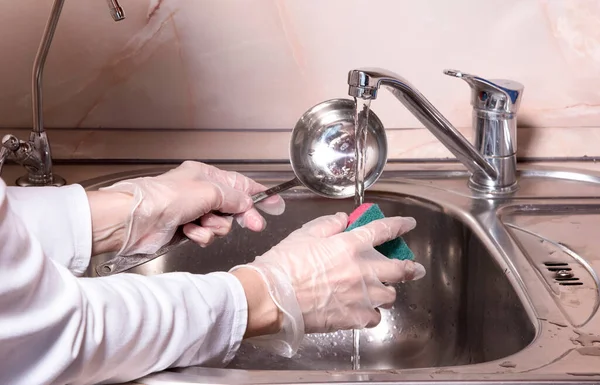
column 322, row 156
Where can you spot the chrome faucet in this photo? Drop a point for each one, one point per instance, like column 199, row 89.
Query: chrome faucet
column 492, row 161
column 34, row 154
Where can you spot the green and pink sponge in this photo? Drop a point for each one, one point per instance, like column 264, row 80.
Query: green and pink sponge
column 368, row 212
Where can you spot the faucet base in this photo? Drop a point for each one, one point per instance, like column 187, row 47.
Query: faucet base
column 492, row 190
column 507, row 176
column 57, row 181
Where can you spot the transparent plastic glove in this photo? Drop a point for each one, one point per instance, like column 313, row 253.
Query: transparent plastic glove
column 323, row 279
column 184, row 194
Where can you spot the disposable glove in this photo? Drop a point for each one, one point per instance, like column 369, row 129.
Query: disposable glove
column 323, row 279
column 184, row 194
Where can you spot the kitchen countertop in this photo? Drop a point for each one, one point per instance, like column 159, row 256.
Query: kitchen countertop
column 79, row 172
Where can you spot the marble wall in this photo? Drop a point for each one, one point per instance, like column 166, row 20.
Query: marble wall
column 259, row 64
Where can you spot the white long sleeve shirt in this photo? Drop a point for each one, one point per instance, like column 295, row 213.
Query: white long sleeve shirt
column 58, row 328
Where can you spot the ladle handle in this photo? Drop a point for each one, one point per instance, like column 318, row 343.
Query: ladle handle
column 261, row 196
column 122, row 263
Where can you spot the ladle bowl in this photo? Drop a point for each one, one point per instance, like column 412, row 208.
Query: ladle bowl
column 322, row 149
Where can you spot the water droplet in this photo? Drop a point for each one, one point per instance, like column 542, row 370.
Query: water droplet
column 412, row 306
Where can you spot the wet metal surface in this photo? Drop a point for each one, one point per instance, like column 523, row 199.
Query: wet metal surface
column 489, row 309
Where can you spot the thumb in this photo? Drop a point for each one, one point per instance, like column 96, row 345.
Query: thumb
column 325, row 226
column 211, row 196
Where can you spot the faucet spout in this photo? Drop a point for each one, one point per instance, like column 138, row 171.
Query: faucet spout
column 42, row 53
column 115, row 10
column 365, row 83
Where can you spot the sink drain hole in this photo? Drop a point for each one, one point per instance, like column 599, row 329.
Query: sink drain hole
column 559, row 269
column 562, row 274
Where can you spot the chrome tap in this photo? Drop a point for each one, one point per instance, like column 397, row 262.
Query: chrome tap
column 34, row 154
column 492, row 161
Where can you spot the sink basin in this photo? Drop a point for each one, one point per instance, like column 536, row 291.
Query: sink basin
column 489, row 307
column 443, row 319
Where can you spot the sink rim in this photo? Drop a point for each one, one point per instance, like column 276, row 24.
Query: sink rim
column 405, row 170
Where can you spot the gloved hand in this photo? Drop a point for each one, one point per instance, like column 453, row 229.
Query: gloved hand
column 323, row 279
column 184, row 194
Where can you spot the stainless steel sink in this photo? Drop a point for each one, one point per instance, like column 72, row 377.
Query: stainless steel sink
column 442, row 320
column 488, row 309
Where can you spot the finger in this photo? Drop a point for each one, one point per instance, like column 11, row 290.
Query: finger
column 413, row 271
column 395, row 271
column 377, row 232
column 392, row 270
column 199, row 235
column 215, row 196
column 325, row 226
column 374, row 319
column 219, row 225
column 381, row 295
column 273, row 205
column 251, row 220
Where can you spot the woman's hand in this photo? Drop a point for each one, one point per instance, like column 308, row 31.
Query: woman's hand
column 323, row 279
column 141, row 215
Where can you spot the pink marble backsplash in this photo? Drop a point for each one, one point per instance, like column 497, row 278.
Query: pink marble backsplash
column 259, row 64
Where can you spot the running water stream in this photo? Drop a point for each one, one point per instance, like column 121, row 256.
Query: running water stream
column 361, row 123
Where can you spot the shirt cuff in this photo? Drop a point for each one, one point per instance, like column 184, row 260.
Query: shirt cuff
column 240, row 313
column 60, row 219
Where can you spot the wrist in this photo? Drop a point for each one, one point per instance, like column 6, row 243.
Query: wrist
column 264, row 317
column 111, row 213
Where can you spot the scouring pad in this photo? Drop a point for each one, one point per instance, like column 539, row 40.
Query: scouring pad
column 368, row 212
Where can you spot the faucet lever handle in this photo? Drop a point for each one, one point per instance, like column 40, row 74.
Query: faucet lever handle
column 11, row 143
column 8, row 146
column 497, row 95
